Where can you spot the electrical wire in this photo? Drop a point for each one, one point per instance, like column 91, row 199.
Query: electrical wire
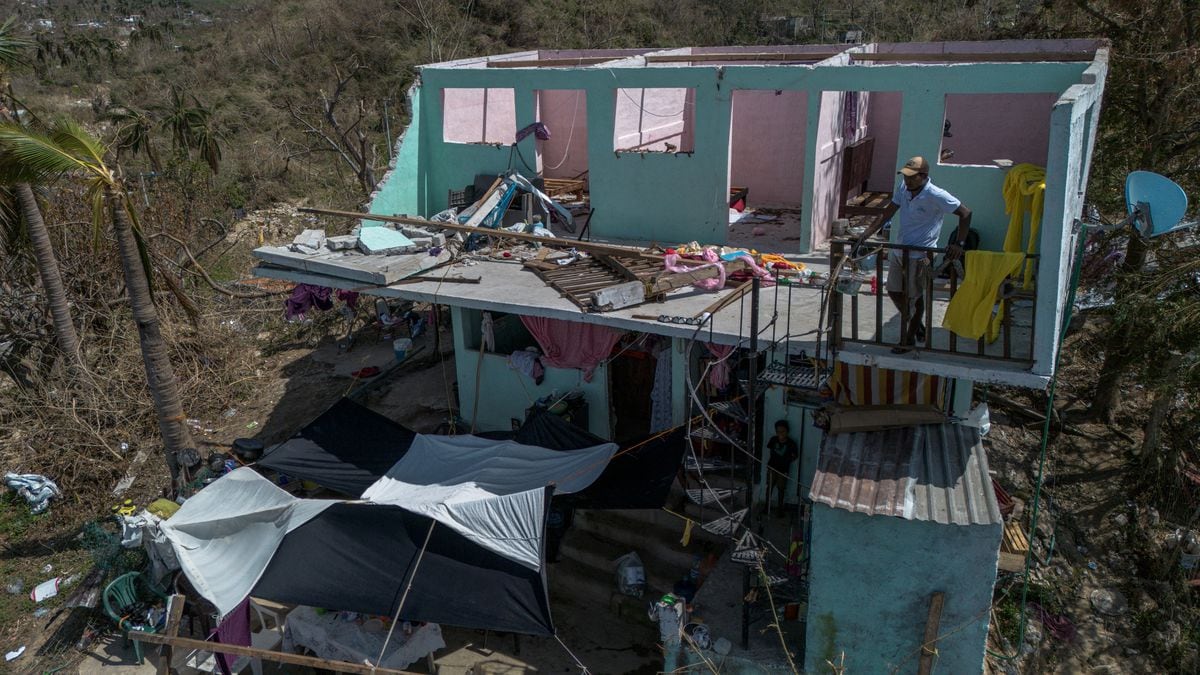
column 570, row 136
column 1037, row 492
column 576, row 658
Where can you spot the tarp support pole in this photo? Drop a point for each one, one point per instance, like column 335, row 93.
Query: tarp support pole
column 417, row 564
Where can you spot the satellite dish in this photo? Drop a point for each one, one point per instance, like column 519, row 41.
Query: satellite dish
column 1156, row 203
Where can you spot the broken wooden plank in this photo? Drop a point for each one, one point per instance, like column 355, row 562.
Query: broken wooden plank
column 174, row 615
column 553, row 63
column 1014, row 547
column 724, row 302
column 881, row 417
column 267, row 655
column 670, row 282
column 971, row 57
column 929, row 643
column 743, row 56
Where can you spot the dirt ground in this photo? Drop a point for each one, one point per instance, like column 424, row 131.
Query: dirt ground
column 1092, row 541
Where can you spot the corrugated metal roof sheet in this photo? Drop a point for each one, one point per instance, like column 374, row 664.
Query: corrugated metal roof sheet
column 935, row 473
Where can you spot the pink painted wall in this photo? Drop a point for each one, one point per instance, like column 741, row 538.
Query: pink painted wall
column 999, row 126
column 564, row 112
column 883, row 123
column 647, row 119
column 479, row 116
column 767, row 141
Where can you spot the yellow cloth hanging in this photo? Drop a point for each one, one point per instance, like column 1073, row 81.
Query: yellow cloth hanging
column 1024, row 192
column 687, row 534
column 969, row 313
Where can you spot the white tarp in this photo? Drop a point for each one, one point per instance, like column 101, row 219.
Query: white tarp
column 500, row 467
column 491, row 492
column 226, row 534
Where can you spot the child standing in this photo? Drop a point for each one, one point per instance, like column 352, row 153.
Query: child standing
column 782, row 452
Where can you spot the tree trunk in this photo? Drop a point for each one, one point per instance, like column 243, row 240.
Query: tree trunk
column 52, row 283
column 1108, row 387
column 1166, row 377
column 1119, row 344
column 164, row 387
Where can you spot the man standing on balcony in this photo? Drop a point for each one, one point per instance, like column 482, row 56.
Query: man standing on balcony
column 921, row 206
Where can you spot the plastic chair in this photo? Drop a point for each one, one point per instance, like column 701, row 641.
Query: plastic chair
column 122, row 598
column 269, row 635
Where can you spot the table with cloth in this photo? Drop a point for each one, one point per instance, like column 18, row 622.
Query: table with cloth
column 330, row 636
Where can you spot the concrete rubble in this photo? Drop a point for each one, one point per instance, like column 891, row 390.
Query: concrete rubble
column 309, row 241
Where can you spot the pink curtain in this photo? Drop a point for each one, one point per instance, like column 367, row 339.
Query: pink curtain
column 718, row 375
column 233, row 630
column 570, row 344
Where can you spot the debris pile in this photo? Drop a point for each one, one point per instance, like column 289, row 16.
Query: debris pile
column 597, row 277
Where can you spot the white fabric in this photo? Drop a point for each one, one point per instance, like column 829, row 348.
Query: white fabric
column 491, row 492
column 500, row 467
column 158, row 548
column 332, row 637
column 226, row 534
column 510, row 525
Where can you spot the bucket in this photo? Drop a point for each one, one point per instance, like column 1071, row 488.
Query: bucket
column 400, row 348
column 847, row 284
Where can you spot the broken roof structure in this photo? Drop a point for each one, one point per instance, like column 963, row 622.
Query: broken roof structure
column 555, row 198
column 653, row 146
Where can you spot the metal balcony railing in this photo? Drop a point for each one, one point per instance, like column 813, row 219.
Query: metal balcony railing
column 855, row 293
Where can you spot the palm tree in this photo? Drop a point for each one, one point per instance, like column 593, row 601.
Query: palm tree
column 66, row 149
column 11, row 54
column 191, row 127
column 134, row 129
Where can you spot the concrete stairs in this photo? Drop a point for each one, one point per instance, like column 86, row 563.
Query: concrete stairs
column 586, row 567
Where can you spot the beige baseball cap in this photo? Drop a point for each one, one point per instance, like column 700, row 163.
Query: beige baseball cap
column 914, row 166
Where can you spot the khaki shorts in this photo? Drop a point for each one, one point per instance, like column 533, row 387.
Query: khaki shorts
column 914, row 285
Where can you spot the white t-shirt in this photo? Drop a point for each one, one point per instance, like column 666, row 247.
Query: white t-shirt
column 920, row 216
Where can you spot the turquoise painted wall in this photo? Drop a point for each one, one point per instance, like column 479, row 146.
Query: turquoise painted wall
column 680, row 198
column 871, row 581
column 505, row 393
column 401, row 191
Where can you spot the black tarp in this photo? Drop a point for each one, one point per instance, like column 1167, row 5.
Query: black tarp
column 349, row 447
column 634, row 479
column 357, row 557
column 345, row 449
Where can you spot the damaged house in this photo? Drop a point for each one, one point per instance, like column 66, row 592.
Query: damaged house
column 649, row 240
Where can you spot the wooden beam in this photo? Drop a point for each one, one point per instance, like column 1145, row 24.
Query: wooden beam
column 174, row 615
column 266, row 655
column 669, row 282
column 929, row 644
column 742, row 56
column 970, row 57
column 553, row 63
column 588, row 246
column 727, row 300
